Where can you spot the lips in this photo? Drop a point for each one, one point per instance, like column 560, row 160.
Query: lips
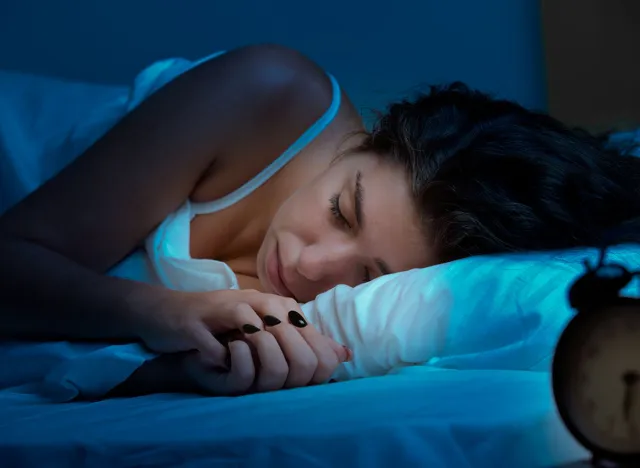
column 276, row 274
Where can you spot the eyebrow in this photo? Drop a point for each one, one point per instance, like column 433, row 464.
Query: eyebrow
column 358, row 202
column 357, row 196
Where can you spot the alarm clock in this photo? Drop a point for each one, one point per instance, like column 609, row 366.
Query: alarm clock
column 596, row 367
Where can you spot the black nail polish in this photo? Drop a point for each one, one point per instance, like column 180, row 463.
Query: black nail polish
column 270, row 321
column 250, row 329
column 297, row 320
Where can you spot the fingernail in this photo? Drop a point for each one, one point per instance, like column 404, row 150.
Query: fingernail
column 297, row 320
column 270, row 320
column 349, row 354
column 250, row 329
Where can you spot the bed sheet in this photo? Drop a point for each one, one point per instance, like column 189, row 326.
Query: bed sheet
column 417, row 417
column 45, row 122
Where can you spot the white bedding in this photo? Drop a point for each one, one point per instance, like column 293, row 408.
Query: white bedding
column 420, row 416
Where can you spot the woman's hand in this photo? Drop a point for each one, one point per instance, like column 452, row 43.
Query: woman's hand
column 270, row 329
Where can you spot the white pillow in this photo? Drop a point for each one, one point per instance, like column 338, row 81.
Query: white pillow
column 489, row 312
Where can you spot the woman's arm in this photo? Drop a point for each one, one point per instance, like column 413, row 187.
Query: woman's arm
column 184, row 373
column 164, row 374
column 56, row 244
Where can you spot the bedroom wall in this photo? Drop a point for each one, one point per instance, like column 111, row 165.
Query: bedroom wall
column 376, row 51
column 593, row 62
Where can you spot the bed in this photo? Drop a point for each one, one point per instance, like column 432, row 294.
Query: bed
column 416, row 416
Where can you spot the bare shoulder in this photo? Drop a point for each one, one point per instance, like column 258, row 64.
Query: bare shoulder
column 290, row 92
column 201, row 135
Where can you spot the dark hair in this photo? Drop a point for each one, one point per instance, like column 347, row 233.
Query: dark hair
column 490, row 176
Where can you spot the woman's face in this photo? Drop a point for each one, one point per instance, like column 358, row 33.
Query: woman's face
column 353, row 223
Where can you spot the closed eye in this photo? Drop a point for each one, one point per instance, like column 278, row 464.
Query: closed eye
column 336, row 212
column 367, row 276
column 340, row 219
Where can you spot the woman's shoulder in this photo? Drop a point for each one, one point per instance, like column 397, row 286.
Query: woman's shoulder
column 291, row 93
column 240, row 109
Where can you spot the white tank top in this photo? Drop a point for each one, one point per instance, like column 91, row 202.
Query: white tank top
column 165, row 258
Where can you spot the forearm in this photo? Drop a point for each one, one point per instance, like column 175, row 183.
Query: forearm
column 44, row 295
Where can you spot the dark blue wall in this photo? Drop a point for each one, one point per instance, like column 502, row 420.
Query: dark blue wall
column 377, row 48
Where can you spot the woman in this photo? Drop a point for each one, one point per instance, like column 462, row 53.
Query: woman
column 451, row 174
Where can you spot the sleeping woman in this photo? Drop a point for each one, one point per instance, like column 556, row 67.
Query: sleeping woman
column 262, row 166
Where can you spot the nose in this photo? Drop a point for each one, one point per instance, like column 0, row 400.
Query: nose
column 327, row 263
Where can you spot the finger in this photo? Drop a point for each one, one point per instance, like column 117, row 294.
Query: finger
column 344, row 354
column 235, row 317
column 243, row 370
column 297, row 319
column 235, row 382
column 301, row 358
column 211, row 351
column 273, row 370
column 246, row 319
column 329, row 353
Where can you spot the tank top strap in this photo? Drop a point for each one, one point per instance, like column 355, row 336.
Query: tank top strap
column 309, row 135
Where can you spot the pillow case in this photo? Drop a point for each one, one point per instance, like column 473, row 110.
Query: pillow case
column 486, row 312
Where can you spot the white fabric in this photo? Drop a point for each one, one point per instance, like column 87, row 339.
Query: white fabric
column 493, row 312
column 44, row 124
